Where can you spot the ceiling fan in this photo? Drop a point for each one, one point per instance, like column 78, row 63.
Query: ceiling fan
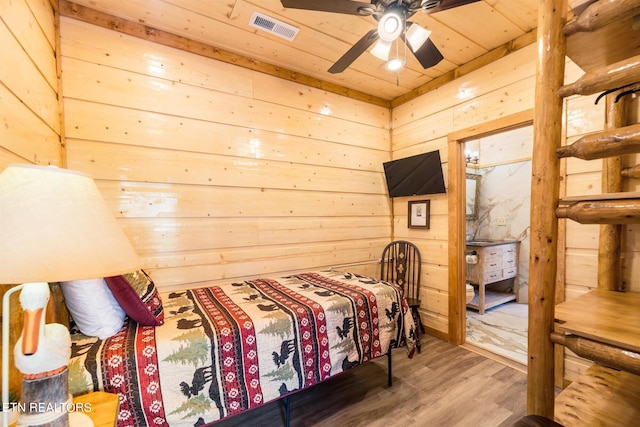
column 392, row 17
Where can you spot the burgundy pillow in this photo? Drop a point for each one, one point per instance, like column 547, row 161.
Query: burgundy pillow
column 138, row 296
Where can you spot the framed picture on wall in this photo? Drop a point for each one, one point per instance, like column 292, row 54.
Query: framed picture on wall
column 419, row 214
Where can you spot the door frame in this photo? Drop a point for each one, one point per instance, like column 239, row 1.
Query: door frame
column 457, row 213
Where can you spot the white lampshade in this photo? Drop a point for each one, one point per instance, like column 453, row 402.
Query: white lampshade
column 55, row 226
column 416, row 36
column 390, row 26
column 381, row 50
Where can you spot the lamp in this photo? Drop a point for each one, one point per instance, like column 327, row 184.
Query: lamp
column 398, row 59
column 381, row 50
column 416, row 36
column 471, row 157
column 391, row 25
column 54, row 226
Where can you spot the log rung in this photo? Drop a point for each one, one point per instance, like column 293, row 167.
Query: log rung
column 600, row 352
column 610, row 208
column 598, row 145
column 631, row 172
column 617, row 75
column 601, row 212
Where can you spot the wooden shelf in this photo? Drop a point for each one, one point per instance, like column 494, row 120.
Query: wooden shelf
column 491, row 299
column 608, row 45
column 604, row 316
column 600, row 397
column 629, row 195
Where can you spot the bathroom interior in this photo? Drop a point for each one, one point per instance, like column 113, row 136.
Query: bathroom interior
column 498, row 195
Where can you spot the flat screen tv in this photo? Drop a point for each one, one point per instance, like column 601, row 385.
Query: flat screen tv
column 415, row 175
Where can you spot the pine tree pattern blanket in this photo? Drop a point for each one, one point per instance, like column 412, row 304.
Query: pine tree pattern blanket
column 226, row 349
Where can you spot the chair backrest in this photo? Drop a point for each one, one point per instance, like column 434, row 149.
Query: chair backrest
column 401, row 263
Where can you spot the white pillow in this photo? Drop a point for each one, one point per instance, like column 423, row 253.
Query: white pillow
column 93, row 307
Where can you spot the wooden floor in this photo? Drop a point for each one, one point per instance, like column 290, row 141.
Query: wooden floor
column 444, row 386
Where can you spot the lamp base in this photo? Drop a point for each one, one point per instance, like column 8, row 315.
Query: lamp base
column 45, row 400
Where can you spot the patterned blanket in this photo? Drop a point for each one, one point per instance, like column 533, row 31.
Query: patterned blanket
column 225, row 349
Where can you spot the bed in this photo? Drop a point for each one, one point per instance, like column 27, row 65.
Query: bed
column 222, row 350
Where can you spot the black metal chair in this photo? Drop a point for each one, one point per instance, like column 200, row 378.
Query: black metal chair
column 401, row 263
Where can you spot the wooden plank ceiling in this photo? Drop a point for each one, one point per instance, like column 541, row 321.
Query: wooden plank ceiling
column 472, row 34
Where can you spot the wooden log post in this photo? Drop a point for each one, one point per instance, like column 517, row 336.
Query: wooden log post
column 545, row 184
column 610, row 241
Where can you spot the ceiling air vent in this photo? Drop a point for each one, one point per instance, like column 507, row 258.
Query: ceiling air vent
column 273, row 26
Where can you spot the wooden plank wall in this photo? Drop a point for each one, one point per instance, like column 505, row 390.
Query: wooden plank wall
column 218, row 172
column 502, row 88
column 29, row 110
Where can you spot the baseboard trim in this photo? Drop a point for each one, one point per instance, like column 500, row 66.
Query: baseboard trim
column 497, row 357
column 436, row 333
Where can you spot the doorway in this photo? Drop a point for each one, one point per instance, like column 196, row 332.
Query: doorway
column 498, row 211
column 457, row 168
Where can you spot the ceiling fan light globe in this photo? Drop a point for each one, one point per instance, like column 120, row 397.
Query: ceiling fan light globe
column 416, row 36
column 390, row 26
column 395, row 64
column 381, row 50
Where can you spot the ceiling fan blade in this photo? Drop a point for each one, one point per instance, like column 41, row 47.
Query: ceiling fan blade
column 336, row 6
column 428, row 55
column 355, row 51
column 448, row 4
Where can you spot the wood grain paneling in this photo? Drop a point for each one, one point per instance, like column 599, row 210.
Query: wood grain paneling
column 492, row 78
column 25, row 80
column 582, row 268
column 219, row 172
column 154, row 200
column 106, row 85
column 32, row 24
column 125, row 163
column 196, row 268
column 423, row 124
column 24, row 134
column 29, row 110
column 119, row 125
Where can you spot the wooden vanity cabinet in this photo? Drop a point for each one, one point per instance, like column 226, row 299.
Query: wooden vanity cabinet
column 496, row 262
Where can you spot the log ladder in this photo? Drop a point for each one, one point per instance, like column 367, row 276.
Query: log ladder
column 602, row 325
